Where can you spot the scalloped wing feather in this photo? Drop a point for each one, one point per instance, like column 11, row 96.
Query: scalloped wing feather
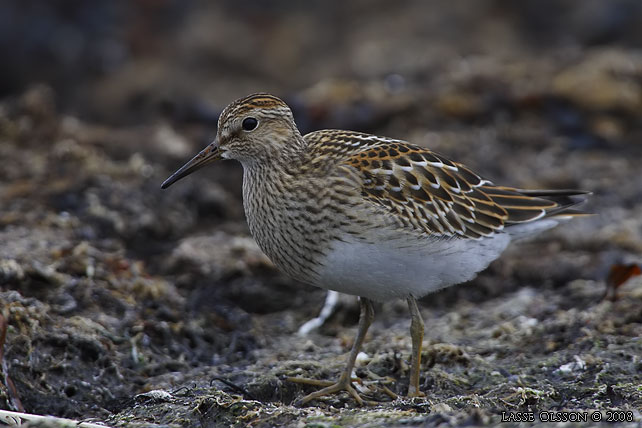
column 431, row 193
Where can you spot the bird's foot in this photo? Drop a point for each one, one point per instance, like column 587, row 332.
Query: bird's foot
column 343, row 384
column 373, row 384
column 414, row 393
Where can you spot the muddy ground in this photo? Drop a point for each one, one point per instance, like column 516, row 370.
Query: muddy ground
column 132, row 306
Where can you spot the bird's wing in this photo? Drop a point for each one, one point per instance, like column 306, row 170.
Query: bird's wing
column 428, row 192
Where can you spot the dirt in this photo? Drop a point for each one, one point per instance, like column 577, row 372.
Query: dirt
column 132, row 306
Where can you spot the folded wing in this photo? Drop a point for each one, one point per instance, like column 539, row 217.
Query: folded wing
column 427, row 191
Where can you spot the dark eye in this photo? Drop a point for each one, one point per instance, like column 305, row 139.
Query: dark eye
column 249, row 124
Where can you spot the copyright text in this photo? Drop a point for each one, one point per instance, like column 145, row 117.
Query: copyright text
column 568, row 416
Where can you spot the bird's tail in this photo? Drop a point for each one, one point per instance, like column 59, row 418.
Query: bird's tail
column 532, row 211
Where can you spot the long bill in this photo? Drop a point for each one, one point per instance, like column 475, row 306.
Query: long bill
column 208, row 155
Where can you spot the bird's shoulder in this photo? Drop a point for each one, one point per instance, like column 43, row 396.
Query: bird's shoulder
column 340, row 143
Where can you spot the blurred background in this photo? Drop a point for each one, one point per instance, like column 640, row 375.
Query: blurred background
column 126, row 62
column 111, row 287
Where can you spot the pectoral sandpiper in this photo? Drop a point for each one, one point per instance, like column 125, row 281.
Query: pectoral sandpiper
column 375, row 217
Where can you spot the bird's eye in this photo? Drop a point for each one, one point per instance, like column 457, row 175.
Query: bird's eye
column 249, row 124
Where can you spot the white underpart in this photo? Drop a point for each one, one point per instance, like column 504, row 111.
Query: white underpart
column 528, row 229
column 397, row 268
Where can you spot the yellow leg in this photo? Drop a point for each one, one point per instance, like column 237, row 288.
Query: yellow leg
column 417, row 335
column 344, row 383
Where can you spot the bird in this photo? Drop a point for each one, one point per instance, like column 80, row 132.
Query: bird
column 375, row 217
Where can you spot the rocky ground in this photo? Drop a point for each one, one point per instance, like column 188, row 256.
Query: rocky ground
column 131, row 306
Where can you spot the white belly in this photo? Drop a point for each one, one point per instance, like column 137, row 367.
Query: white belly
column 397, row 268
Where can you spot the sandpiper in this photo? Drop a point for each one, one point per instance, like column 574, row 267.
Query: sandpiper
column 375, row 217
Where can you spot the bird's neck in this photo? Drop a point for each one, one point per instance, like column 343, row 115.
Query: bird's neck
column 285, row 157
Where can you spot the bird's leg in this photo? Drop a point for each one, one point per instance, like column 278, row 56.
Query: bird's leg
column 344, row 383
column 417, row 335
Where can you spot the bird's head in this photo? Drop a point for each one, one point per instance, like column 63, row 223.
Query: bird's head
column 257, row 129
